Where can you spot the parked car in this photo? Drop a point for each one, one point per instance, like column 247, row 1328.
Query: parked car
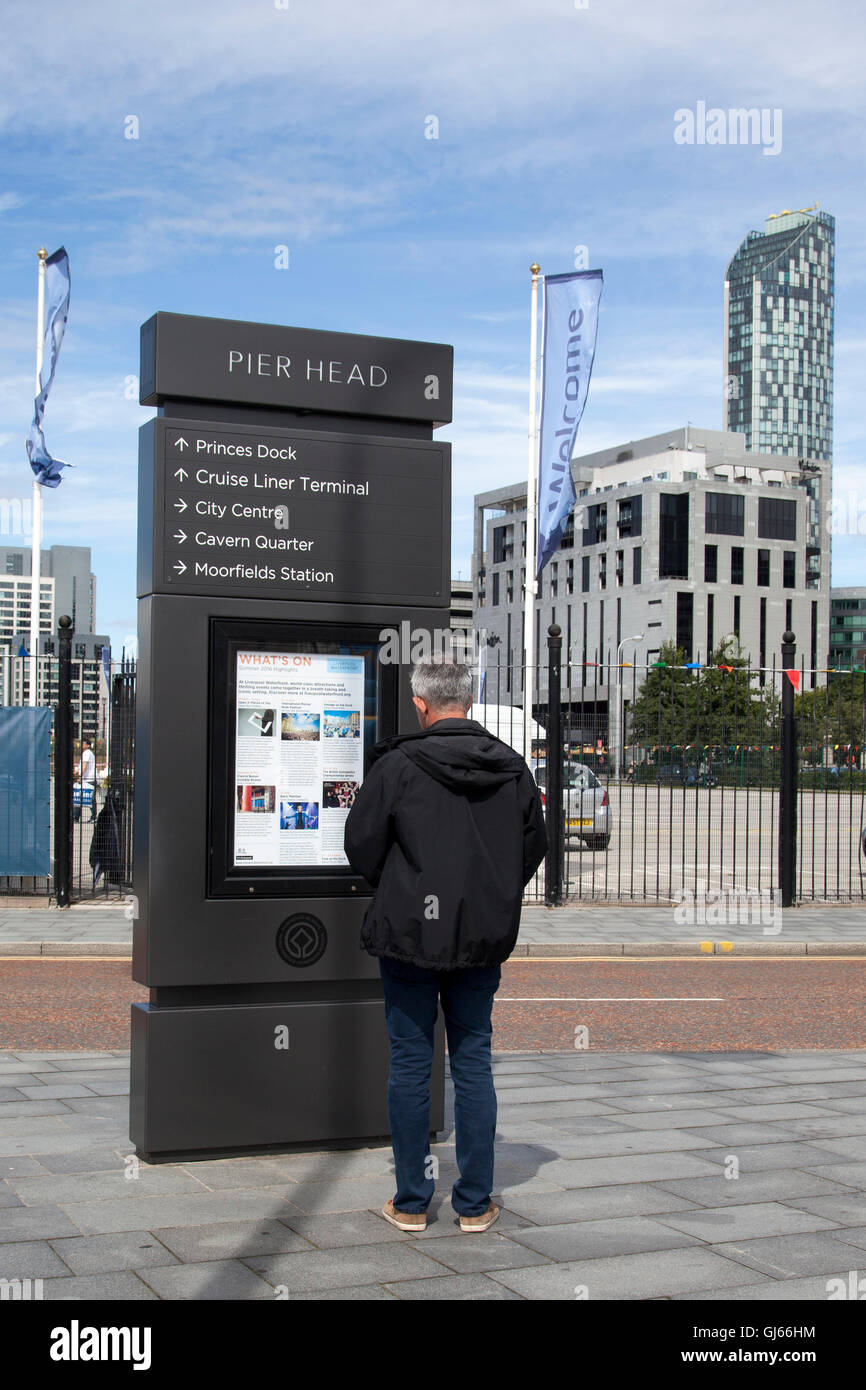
column 586, row 809
column 684, row 775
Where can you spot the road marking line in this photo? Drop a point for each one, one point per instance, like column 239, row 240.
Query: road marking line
column 611, row 999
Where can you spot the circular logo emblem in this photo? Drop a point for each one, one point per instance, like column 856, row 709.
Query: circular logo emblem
column 302, row 940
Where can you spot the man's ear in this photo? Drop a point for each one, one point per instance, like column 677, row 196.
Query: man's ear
column 420, row 706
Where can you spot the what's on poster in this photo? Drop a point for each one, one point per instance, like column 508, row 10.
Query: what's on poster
column 299, row 756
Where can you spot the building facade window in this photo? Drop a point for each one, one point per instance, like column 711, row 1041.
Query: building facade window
column 711, row 603
column 494, row 601
column 736, row 564
column 503, row 544
column 737, row 616
column 629, row 517
column 711, row 564
column 635, row 565
column 789, row 569
column 620, row 568
column 674, row 535
column 777, row 519
column 584, row 574
column 685, row 616
column 724, row 514
column 762, row 641
column 595, row 531
column 763, row 568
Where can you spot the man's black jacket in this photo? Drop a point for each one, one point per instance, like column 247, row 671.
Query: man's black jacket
column 447, row 826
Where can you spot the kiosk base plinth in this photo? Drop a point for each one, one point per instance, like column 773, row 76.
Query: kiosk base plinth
column 239, row 1079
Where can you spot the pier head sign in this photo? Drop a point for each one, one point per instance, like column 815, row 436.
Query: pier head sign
column 257, row 510
column 190, row 358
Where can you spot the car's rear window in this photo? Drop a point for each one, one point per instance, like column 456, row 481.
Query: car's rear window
column 574, row 778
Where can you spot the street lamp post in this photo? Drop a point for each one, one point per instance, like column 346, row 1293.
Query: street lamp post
column 618, row 729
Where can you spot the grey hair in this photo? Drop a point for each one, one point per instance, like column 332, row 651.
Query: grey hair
column 443, row 684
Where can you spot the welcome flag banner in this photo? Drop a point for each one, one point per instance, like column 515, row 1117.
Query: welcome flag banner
column 57, row 285
column 568, row 349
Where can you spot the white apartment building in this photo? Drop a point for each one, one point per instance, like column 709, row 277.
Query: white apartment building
column 682, row 537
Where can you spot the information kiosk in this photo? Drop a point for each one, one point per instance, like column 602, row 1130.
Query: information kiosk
column 294, row 511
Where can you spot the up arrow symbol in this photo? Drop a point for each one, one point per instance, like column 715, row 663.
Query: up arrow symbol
column 180, row 567
column 181, row 444
column 181, row 506
column 181, row 473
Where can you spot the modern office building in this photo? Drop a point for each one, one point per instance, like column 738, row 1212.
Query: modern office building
column 15, row 597
column 72, row 585
column 778, row 337
column 684, row 537
column 461, row 603
column 66, row 585
column 848, row 628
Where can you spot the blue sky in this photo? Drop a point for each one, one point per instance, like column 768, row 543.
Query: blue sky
column 305, row 126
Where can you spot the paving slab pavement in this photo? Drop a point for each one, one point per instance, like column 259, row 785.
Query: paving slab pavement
column 695, row 1201
column 586, row 929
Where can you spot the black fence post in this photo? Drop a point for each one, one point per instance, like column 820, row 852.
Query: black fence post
column 63, row 766
column 122, row 761
column 788, row 778
column 555, row 829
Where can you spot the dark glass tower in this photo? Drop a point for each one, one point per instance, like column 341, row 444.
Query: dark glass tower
column 779, row 336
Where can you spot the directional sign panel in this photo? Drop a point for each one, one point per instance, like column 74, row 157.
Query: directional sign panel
column 271, row 513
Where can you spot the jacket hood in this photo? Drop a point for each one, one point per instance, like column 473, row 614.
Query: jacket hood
column 459, row 753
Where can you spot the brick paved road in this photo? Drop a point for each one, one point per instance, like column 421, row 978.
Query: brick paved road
column 717, row 1003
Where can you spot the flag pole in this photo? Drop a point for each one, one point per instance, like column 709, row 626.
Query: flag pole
column 530, row 587
column 36, row 539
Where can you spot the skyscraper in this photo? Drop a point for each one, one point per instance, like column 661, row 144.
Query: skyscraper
column 779, row 336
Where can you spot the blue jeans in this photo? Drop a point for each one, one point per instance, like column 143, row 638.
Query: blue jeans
column 411, row 998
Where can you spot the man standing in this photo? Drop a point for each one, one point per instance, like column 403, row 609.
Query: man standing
column 88, row 775
column 448, row 827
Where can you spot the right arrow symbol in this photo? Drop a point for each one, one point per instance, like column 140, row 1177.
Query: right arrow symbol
column 180, row 536
column 180, row 567
column 181, row 506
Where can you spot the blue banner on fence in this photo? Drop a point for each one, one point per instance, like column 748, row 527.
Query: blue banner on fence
column 570, row 324
column 25, row 792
